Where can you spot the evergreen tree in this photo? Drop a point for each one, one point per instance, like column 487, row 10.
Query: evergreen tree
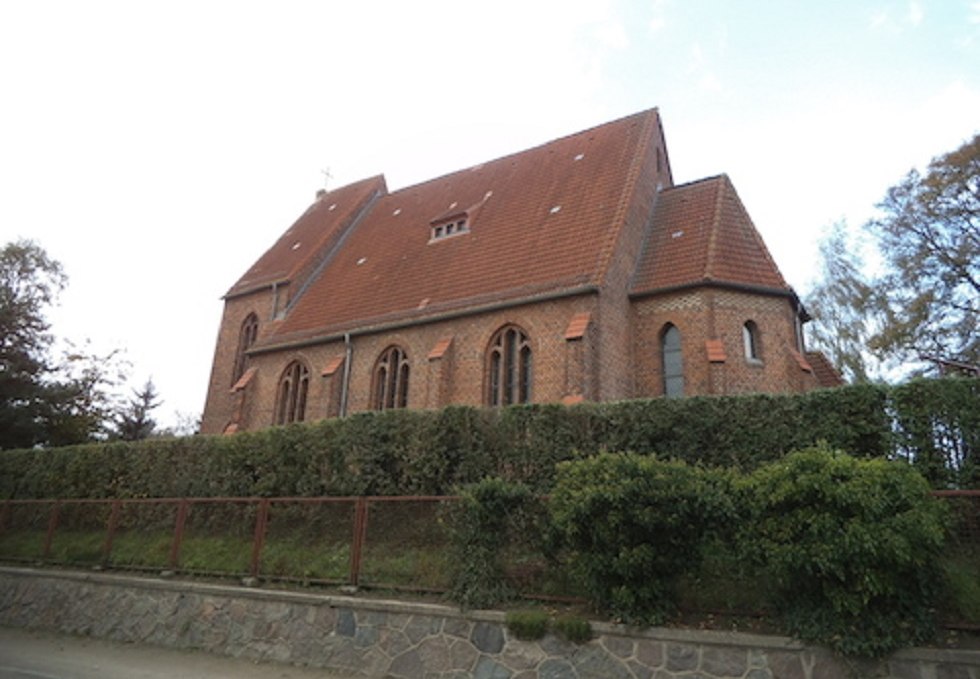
column 133, row 422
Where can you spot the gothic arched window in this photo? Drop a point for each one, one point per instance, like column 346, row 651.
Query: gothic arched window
column 246, row 338
column 291, row 399
column 391, row 379
column 751, row 340
column 672, row 361
column 509, row 367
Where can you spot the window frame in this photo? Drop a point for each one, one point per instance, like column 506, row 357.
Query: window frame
column 390, row 379
column 751, row 342
column 509, row 368
column 248, row 333
column 292, row 392
column 671, row 354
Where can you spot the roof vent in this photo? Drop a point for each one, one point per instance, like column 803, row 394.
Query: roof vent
column 397, row 212
column 333, row 206
column 580, row 156
column 556, row 209
column 296, row 245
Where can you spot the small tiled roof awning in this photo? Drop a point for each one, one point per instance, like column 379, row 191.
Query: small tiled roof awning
column 716, row 350
column 333, row 366
column 804, row 365
column 578, row 325
column 440, row 348
column 244, row 380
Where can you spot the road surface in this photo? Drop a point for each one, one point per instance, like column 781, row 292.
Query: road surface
column 40, row 655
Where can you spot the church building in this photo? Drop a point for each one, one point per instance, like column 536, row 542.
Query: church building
column 573, row 271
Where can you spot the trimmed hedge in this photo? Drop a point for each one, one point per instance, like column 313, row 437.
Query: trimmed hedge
column 932, row 423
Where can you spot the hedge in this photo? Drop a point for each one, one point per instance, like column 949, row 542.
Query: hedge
column 931, row 423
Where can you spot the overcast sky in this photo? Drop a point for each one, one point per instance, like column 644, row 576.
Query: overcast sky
column 157, row 149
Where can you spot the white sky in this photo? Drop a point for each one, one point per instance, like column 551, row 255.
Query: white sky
column 157, row 149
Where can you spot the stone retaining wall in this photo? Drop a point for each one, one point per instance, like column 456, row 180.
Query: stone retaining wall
column 373, row 638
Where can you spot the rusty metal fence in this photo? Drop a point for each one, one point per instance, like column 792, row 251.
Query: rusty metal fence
column 389, row 542
column 377, row 542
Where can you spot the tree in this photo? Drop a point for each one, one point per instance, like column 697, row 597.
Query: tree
column 133, row 422
column 928, row 235
column 45, row 402
column 841, row 305
column 924, row 299
column 29, row 282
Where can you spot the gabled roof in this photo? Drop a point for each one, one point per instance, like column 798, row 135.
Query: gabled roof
column 311, row 237
column 539, row 222
column 702, row 234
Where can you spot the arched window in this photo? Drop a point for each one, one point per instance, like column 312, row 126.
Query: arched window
column 509, row 367
column 750, row 338
column 673, row 363
column 246, row 338
column 391, row 379
column 293, row 387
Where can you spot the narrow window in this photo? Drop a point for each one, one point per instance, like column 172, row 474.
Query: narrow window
column 247, row 335
column 509, row 367
column 293, row 387
column 391, row 379
column 673, row 364
column 750, row 338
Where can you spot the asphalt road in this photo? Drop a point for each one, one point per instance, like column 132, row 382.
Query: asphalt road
column 39, row 655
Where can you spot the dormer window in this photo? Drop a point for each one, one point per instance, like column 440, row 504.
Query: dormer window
column 452, row 227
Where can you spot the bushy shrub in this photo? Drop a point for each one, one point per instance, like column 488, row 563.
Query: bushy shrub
column 527, row 625
column 635, row 525
column 571, row 628
column 480, row 526
column 850, row 548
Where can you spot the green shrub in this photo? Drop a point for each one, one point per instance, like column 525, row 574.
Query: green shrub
column 850, row 548
column 527, row 625
column 570, row 628
column 480, row 526
column 635, row 525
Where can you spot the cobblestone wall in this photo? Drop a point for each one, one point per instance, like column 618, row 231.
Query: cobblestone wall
column 414, row 641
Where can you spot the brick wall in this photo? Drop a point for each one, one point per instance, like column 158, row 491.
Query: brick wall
column 560, row 367
column 718, row 314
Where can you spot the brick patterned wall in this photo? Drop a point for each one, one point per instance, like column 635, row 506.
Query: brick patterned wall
column 615, row 367
column 458, row 377
column 220, row 404
column 711, row 313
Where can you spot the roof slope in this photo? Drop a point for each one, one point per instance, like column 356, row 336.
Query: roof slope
column 703, row 234
column 539, row 221
column 311, row 236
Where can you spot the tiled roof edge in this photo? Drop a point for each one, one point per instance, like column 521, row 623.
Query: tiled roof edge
column 712, row 283
column 650, row 128
column 338, row 244
column 435, row 318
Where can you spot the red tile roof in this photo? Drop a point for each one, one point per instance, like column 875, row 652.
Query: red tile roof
column 824, row 370
column 312, row 235
column 702, row 233
column 540, row 221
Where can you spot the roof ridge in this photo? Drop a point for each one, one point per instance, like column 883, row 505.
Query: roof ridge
column 710, row 256
column 756, row 236
column 629, row 187
column 520, row 152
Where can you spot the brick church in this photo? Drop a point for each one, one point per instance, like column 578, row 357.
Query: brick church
column 572, row 271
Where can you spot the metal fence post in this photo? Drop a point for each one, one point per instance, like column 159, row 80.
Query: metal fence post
column 111, row 530
column 261, row 522
column 52, row 527
column 357, row 546
column 182, row 510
